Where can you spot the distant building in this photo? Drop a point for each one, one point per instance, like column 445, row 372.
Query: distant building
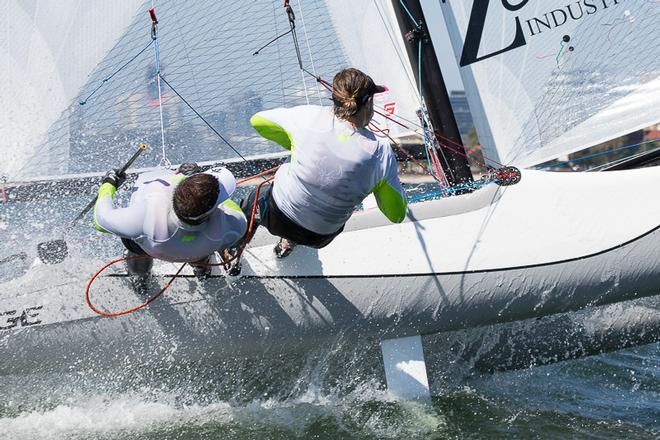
column 652, row 132
column 462, row 113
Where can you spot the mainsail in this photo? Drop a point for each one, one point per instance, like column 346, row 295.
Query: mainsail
column 544, row 79
column 205, row 54
column 47, row 51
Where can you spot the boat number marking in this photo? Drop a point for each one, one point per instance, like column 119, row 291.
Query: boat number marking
column 11, row 318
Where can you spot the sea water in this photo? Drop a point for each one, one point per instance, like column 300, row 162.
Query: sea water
column 337, row 395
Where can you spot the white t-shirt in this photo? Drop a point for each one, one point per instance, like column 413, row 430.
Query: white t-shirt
column 333, row 167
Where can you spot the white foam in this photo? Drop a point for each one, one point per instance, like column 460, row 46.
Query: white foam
column 101, row 416
column 134, row 415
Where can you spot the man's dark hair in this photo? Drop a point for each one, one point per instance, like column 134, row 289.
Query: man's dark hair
column 195, row 195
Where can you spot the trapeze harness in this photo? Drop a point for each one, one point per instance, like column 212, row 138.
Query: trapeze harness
column 151, row 223
column 333, row 167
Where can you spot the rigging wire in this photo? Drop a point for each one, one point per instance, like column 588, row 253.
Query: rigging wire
column 309, row 51
column 164, row 161
column 589, row 156
column 294, row 34
column 203, row 119
column 105, row 80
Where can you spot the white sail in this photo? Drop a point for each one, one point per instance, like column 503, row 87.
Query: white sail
column 206, row 53
column 47, row 50
column 548, row 78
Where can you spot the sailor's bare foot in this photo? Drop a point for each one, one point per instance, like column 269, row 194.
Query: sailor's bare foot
column 232, row 263
column 283, row 248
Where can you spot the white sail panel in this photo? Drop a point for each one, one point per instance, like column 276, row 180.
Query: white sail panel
column 372, row 42
column 207, row 55
column 47, row 50
column 548, row 78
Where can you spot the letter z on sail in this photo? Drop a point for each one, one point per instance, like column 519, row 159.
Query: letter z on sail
column 476, row 29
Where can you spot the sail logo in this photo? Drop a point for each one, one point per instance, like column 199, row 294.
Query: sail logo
column 532, row 26
column 20, row 318
column 389, row 108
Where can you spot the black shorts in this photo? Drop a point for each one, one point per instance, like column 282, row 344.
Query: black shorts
column 280, row 225
column 132, row 246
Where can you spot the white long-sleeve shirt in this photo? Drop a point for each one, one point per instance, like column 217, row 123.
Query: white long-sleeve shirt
column 333, row 167
column 150, row 221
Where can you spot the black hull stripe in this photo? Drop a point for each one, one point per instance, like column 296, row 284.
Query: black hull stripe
column 429, row 274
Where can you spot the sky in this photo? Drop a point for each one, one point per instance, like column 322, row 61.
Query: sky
column 443, row 49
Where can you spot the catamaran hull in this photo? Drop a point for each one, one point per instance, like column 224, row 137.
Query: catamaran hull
column 455, row 264
column 215, row 328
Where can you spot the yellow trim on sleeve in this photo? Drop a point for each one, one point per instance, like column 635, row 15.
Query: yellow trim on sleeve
column 390, row 201
column 105, row 190
column 178, row 178
column 229, row 203
column 272, row 131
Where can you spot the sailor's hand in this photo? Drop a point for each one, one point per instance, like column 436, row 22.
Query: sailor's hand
column 114, row 177
column 188, row 169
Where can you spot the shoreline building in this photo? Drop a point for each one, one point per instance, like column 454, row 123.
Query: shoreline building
column 462, row 113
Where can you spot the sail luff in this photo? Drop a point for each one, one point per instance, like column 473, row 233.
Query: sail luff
column 472, row 94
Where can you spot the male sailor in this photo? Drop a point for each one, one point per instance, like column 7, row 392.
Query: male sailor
column 182, row 216
column 335, row 163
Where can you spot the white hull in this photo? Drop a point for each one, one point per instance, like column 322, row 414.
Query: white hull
column 554, row 243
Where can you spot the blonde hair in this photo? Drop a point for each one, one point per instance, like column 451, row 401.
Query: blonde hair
column 348, row 86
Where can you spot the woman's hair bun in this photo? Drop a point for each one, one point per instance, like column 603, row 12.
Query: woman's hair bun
column 348, row 86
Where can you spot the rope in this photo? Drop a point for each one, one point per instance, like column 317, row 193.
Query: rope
column 263, row 173
column 405, row 8
column 451, row 189
column 309, row 50
column 91, row 305
column 105, row 80
column 164, row 161
column 399, row 147
column 446, row 139
column 256, row 52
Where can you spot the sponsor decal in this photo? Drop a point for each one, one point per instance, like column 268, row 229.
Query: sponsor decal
column 24, row 318
column 161, row 181
column 526, row 26
column 389, row 108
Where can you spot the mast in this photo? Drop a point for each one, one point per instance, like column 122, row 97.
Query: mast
column 434, row 91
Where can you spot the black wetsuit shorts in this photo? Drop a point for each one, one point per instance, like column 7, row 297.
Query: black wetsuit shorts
column 280, row 225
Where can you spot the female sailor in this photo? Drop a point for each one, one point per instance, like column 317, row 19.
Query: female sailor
column 335, row 163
